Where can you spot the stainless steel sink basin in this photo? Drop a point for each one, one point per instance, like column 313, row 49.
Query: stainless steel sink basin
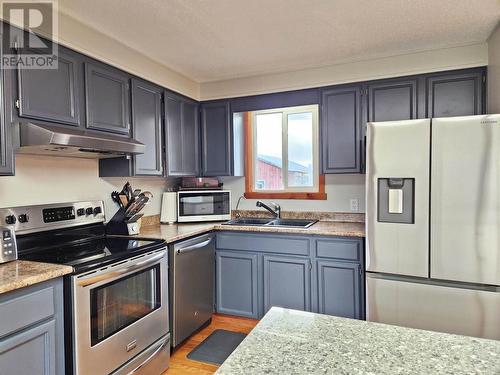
column 288, row 223
column 248, row 221
column 293, row 223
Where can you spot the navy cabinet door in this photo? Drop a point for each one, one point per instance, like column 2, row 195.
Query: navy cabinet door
column 6, row 149
column 236, row 283
column 31, row 351
column 107, row 96
column 182, row 136
column 52, row 95
column 392, row 100
column 339, row 288
column 146, row 125
column 340, row 129
column 455, row 94
column 216, row 139
column 287, row 282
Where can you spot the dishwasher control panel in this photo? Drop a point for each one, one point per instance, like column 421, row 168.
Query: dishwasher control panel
column 8, row 245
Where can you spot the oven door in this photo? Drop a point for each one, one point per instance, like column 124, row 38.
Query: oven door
column 203, row 205
column 118, row 312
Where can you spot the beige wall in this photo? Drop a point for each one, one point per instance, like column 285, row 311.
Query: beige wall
column 393, row 66
column 494, row 72
column 340, row 189
column 45, row 179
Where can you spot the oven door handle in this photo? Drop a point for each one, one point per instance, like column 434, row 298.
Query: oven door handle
column 194, row 247
column 112, row 274
column 161, row 346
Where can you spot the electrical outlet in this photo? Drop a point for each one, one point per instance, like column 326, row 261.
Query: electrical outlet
column 355, row 205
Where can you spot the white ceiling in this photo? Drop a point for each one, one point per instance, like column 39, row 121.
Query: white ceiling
column 209, row 40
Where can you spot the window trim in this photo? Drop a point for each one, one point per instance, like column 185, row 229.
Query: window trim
column 250, row 159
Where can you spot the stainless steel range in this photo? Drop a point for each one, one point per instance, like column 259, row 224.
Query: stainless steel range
column 116, row 299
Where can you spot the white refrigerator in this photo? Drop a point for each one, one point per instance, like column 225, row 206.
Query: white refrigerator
column 433, row 224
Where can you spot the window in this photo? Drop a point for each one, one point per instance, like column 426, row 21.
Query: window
column 282, row 154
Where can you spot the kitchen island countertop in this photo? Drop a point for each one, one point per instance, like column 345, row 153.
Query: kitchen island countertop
column 296, row 342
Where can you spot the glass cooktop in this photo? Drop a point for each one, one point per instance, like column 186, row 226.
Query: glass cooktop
column 92, row 253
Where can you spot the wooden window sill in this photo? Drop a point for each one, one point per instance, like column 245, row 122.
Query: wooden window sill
column 285, row 195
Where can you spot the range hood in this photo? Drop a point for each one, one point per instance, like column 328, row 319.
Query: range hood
column 41, row 139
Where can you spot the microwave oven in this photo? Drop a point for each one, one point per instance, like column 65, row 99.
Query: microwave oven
column 203, row 205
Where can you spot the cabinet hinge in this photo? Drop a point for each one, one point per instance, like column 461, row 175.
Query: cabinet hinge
column 18, row 103
column 484, row 78
column 310, row 266
column 360, row 270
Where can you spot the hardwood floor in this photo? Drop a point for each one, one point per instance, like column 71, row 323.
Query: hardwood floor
column 180, row 364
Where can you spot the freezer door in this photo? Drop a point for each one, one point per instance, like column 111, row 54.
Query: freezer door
column 433, row 307
column 465, row 198
column 397, row 196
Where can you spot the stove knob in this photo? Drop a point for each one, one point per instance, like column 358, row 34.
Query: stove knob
column 89, row 211
column 10, row 219
column 23, row 218
column 80, row 212
column 97, row 210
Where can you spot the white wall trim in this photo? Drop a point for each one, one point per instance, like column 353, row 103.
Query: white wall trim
column 412, row 63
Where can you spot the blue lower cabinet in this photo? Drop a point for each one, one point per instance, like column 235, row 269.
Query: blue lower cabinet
column 237, row 283
column 32, row 330
column 287, row 282
column 339, row 288
column 30, row 352
column 311, row 273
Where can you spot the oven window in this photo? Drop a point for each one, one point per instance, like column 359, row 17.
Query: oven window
column 201, row 204
column 120, row 303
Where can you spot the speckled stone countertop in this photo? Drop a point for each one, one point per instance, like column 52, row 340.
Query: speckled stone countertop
column 295, row 342
column 21, row 273
column 176, row 232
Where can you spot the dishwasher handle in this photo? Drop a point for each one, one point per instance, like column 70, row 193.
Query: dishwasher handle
column 197, row 246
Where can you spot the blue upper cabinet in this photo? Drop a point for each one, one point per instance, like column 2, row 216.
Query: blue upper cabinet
column 52, row 95
column 459, row 93
column 6, row 147
column 216, row 139
column 391, row 100
column 147, row 127
column 340, row 129
column 182, row 136
column 107, row 97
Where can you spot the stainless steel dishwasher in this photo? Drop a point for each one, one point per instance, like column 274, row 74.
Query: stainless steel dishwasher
column 192, row 270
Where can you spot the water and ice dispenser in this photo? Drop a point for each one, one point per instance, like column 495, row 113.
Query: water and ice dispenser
column 396, row 200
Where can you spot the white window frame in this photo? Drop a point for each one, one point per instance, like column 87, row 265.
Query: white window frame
column 314, row 109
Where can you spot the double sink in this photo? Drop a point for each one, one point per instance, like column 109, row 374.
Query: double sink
column 278, row 222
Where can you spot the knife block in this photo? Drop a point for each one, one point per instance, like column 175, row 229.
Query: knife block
column 117, row 224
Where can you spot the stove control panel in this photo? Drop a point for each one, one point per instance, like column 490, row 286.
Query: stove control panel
column 8, row 245
column 28, row 219
column 51, row 215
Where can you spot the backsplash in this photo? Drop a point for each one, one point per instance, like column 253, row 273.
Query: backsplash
column 45, row 179
column 340, row 189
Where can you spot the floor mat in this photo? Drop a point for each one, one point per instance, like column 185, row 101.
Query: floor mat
column 217, row 347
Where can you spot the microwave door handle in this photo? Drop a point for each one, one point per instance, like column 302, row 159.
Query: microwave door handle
column 193, row 247
column 112, row 274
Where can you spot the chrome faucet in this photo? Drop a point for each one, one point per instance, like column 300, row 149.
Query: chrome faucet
column 276, row 211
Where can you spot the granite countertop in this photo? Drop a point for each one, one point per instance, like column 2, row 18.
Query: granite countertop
column 176, row 232
column 296, row 342
column 22, row 273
